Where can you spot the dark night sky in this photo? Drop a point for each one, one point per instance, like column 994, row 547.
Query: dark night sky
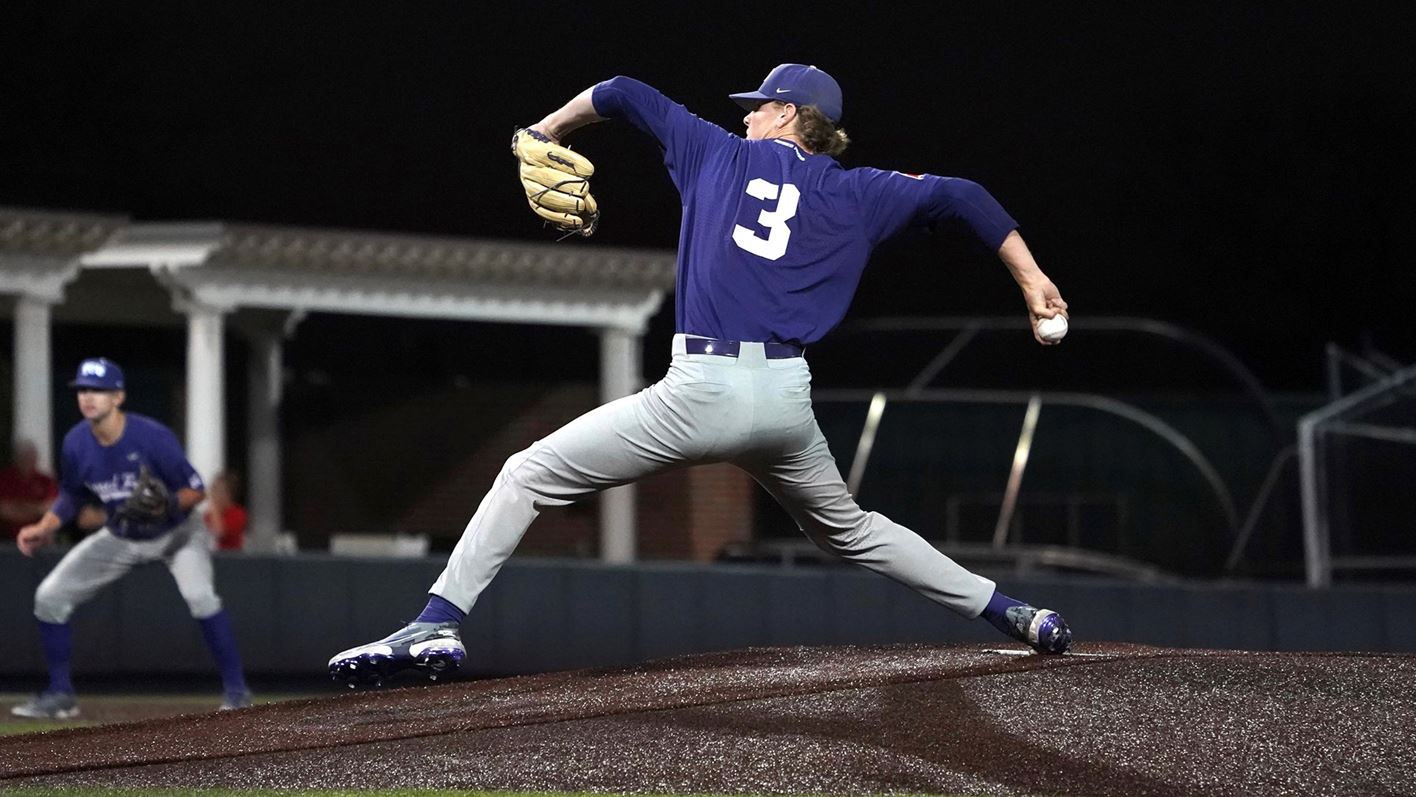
column 1247, row 172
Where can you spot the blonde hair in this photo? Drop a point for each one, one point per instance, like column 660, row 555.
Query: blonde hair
column 819, row 134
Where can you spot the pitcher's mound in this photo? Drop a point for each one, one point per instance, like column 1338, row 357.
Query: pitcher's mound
column 1121, row 720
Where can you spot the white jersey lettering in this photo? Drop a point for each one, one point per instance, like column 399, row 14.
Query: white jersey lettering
column 775, row 244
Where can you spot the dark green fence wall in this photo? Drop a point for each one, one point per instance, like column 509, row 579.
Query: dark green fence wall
column 292, row 613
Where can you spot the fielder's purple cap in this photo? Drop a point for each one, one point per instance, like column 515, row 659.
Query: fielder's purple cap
column 98, row 373
column 799, row 85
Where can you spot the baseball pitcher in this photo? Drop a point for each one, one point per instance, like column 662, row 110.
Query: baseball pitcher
column 135, row 467
column 774, row 239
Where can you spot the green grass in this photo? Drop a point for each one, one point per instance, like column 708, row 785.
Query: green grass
column 12, row 728
column 105, row 792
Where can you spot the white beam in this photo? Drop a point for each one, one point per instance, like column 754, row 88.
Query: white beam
column 39, row 277
column 619, row 376
column 170, row 245
column 411, row 298
column 206, row 389
column 33, row 381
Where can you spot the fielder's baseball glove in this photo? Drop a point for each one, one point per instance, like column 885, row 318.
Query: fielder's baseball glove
column 556, row 182
column 149, row 509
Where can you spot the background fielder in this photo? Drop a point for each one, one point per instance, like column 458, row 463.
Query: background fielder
column 136, row 469
column 774, row 238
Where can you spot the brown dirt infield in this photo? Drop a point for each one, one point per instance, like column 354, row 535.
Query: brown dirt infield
column 1122, row 720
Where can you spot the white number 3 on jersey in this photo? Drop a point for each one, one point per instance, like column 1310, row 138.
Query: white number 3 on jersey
column 775, row 244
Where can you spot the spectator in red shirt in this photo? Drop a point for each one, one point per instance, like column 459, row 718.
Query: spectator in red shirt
column 225, row 517
column 25, row 492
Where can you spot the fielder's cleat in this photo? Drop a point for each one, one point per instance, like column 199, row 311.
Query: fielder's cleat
column 235, row 700
column 48, row 706
column 1042, row 629
column 434, row 649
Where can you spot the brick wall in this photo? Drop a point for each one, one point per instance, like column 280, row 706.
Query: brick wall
column 691, row 513
column 421, row 464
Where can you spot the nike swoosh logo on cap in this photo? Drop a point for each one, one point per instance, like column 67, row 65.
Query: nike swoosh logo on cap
column 783, row 91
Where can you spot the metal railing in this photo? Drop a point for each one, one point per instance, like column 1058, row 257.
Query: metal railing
column 969, row 328
column 1388, row 377
column 1313, row 428
column 1035, row 402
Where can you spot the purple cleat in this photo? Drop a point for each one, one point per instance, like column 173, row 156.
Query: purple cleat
column 1042, row 629
column 434, row 649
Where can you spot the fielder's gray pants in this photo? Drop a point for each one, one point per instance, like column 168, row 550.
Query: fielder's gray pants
column 102, row 558
column 750, row 411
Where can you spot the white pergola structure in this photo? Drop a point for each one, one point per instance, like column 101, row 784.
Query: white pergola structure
column 39, row 255
column 274, row 276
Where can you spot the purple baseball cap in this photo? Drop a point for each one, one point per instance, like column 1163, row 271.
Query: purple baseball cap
column 799, row 85
column 98, row 373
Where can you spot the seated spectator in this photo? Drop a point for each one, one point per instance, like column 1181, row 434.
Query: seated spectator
column 225, row 517
column 26, row 493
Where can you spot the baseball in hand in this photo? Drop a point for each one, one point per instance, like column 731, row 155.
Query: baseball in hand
column 1052, row 329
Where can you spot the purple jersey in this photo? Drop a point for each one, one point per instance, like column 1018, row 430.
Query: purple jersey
column 110, row 472
column 774, row 239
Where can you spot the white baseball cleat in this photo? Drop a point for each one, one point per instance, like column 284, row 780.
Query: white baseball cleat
column 434, row 649
column 48, row 706
column 235, row 700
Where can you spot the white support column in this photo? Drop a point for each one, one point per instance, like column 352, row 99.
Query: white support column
column 33, row 381
column 206, row 389
column 1317, row 543
column 619, row 377
column 263, row 478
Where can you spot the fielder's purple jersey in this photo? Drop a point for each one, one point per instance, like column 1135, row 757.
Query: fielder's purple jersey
column 774, row 239
column 111, row 472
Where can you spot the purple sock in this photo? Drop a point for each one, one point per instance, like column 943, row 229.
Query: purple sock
column 221, row 640
column 58, row 648
column 440, row 610
column 996, row 612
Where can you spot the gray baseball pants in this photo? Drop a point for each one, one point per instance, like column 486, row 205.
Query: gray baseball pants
column 102, row 558
column 750, row 411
